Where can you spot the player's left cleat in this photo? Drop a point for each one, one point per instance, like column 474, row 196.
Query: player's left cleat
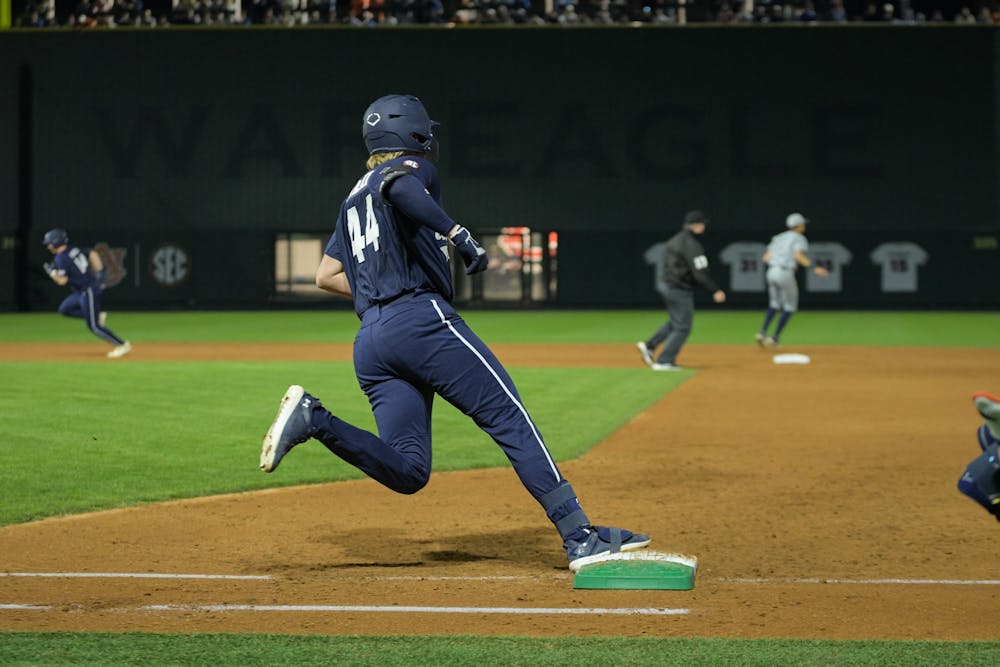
column 647, row 354
column 120, row 350
column 601, row 543
column 291, row 426
column 988, row 407
column 770, row 343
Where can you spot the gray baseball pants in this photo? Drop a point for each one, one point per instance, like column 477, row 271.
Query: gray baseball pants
column 673, row 334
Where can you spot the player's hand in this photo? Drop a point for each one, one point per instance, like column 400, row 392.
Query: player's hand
column 820, row 271
column 49, row 268
column 473, row 254
column 718, row 296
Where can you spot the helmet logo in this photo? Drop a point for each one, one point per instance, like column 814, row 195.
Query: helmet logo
column 373, row 119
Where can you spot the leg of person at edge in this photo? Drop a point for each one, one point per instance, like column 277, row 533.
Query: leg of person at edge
column 785, row 253
column 684, row 266
column 389, row 253
column 981, row 480
column 83, row 271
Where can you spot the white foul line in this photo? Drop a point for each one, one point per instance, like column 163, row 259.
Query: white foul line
column 379, row 610
column 419, row 610
column 135, row 575
column 25, row 606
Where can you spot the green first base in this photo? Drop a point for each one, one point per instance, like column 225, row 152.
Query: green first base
column 648, row 571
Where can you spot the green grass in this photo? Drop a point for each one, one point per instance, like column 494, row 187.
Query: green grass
column 248, row 650
column 712, row 325
column 86, row 436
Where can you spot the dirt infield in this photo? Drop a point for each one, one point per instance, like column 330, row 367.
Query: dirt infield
column 820, row 500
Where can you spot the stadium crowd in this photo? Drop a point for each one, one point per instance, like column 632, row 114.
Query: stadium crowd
column 83, row 14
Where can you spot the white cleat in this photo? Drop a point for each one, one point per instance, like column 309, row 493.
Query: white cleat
column 666, row 367
column 120, row 350
column 988, row 406
column 644, row 350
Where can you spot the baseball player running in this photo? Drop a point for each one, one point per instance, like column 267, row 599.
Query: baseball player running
column 82, row 270
column 981, row 480
column 389, row 252
column 785, row 253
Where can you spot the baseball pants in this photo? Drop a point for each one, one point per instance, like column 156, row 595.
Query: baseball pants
column 673, row 334
column 404, row 354
column 86, row 305
column 782, row 290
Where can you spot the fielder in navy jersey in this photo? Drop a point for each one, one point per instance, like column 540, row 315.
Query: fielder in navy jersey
column 81, row 269
column 389, row 252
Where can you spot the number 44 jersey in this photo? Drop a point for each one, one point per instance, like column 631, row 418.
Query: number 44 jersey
column 385, row 252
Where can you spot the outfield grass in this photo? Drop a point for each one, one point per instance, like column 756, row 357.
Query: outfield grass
column 82, row 436
column 712, row 325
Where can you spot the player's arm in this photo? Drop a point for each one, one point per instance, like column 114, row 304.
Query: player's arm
column 698, row 261
column 330, row 277
column 805, row 262
column 96, row 265
column 57, row 275
column 767, row 256
column 407, row 193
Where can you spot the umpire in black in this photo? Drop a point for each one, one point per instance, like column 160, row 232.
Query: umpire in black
column 683, row 266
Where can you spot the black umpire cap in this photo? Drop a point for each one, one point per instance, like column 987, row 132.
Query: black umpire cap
column 691, row 217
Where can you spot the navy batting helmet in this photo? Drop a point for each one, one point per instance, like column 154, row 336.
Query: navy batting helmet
column 397, row 123
column 56, row 237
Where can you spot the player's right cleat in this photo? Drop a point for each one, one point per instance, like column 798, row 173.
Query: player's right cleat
column 600, row 543
column 291, row 426
column 760, row 339
column 665, row 367
column 644, row 350
column 988, row 407
column 770, row 343
column 120, row 350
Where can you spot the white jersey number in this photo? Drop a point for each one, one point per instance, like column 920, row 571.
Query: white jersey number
column 360, row 240
column 80, row 259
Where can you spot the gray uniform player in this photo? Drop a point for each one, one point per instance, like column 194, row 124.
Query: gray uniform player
column 784, row 255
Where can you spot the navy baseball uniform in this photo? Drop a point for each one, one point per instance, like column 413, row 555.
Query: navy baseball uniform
column 391, row 242
column 73, row 264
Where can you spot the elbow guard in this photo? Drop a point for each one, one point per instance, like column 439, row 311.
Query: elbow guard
column 389, row 176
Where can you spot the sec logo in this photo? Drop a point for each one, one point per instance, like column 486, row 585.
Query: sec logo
column 169, row 265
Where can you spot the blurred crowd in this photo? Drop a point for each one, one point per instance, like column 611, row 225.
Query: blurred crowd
column 162, row 13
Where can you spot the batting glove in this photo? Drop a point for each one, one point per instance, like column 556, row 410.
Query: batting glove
column 473, row 254
column 48, row 268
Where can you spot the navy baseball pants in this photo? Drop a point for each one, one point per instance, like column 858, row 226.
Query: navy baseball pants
column 404, row 354
column 87, row 306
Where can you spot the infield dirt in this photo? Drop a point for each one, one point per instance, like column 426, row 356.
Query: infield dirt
column 819, row 499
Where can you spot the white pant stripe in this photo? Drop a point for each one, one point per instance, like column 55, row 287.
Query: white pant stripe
column 524, row 413
column 92, row 317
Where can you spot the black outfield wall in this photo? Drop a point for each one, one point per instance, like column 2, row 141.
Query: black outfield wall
column 878, row 134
